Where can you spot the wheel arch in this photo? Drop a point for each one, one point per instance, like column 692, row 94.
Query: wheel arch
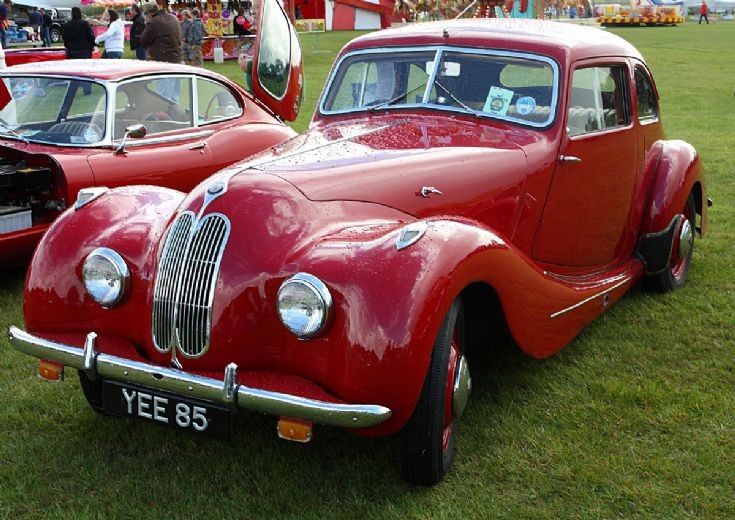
column 678, row 173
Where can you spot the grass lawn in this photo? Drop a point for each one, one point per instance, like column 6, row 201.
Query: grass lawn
column 635, row 418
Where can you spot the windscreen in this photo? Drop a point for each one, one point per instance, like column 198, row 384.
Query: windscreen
column 502, row 85
column 52, row 110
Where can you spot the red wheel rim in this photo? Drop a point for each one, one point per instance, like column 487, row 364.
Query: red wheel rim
column 678, row 263
column 449, row 391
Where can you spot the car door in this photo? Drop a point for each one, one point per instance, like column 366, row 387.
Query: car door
column 586, row 215
column 277, row 68
column 174, row 152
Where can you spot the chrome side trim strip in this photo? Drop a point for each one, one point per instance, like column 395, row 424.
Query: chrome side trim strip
column 164, row 139
column 587, row 300
column 190, row 385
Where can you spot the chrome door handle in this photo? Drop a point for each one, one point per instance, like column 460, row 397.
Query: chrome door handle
column 198, row 146
column 569, row 158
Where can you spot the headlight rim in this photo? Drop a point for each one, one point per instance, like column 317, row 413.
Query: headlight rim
column 123, row 271
column 321, row 290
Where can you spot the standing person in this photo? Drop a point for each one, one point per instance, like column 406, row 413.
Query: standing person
column 114, row 36
column 193, row 39
column 4, row 22
column 45, row 27
column 185, row 21
column 703, row 12
column 162, row 38
column 162, row 35
column 35, row 21
column 135, row 31
column 77, row 35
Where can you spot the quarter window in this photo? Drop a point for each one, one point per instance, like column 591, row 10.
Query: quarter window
column 215, row 102
column 645, row 95
column 598, row 100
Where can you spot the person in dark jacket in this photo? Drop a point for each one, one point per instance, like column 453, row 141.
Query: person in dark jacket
column 162, row 35
column 135, row 31
column 35, row 21
column 45, row 27
column 77, row 35
column 162, row 38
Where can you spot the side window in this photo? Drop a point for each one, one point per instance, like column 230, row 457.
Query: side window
column 215, row 102
column 645, row 96
column 162, row 104
column 598, row 100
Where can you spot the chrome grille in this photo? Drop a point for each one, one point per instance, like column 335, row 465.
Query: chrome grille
column 184, row 287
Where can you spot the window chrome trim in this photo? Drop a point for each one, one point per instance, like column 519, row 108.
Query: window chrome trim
column 198, row 134
column 439, row 51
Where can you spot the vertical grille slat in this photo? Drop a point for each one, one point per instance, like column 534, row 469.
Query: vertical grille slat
column 184, row 288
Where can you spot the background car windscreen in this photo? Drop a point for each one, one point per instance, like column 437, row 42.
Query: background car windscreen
column 53, row 110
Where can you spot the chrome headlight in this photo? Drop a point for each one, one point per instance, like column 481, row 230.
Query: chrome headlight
column 106, row 276
column 304, row 305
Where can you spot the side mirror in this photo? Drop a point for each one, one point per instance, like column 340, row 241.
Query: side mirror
column 134, row 131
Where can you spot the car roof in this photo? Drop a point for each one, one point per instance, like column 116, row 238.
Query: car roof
column 108, row 70
column 529, row 35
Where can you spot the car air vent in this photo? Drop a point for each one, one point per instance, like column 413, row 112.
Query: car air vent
column 184, row 287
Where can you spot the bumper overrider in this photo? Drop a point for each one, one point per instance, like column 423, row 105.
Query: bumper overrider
column 226, row 392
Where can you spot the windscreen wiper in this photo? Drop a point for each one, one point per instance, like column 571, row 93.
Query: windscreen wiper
column 398, row 98
column 462, row 105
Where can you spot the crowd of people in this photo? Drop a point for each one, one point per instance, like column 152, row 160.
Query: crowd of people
column 155, row 33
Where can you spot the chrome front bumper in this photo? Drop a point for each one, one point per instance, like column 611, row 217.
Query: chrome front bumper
column 227, row 392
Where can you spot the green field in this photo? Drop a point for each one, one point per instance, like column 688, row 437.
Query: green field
column 634, row 419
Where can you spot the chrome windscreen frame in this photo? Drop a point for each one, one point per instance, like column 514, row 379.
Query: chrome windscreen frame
column 439, row 50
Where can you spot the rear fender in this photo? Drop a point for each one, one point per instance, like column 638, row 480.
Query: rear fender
column 129, row 220
column 676, row 174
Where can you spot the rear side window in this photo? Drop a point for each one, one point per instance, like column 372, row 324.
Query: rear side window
column 599, row 100
column 645, row 96
column 215, row 102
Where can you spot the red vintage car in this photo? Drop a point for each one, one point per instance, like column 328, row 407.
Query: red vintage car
column 457, row 177
column 68, row 125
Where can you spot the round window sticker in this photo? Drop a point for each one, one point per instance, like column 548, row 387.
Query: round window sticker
column 525, row 105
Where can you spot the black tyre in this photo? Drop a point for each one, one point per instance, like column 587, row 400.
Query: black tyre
column 680, row 259
column 55, row 35
column 92, row 391
column 428, row 439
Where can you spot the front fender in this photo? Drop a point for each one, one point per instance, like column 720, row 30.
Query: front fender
column 390, row 305
column 129, row 220
column 676, row 174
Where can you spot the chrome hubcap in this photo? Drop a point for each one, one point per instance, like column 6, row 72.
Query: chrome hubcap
column 462, row 387
column 686, row 237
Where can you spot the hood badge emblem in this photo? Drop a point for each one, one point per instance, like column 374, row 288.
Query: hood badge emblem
column 215, row 188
